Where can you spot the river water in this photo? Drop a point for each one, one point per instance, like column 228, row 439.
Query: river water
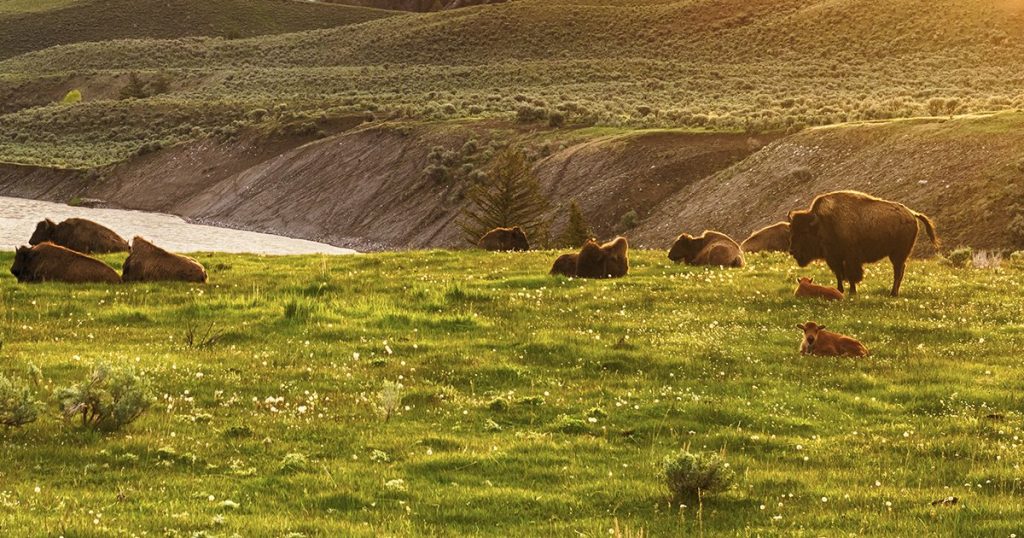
column 18, row 219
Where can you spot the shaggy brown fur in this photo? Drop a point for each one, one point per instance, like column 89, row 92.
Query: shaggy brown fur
column 150, row 263
column 848, row 229
column 610, row 260
column 565, row 265
column 774, row 238
column 807, row 288
column 47, row 262
column 505, row 239
column 711, row 248
column 80, row 235
column 818, row 341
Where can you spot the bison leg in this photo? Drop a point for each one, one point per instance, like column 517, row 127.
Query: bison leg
column 898, row 268
column 854, row 274
column 837, row 269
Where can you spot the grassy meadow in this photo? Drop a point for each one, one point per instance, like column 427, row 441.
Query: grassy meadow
column 530, row 405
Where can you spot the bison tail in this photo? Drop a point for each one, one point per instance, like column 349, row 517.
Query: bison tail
column 929, row 227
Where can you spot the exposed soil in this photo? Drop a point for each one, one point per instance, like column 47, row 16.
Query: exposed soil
column 365, row 187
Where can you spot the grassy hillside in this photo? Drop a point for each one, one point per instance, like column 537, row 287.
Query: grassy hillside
column 29, row 26
column 725, row 65
column 530, row 405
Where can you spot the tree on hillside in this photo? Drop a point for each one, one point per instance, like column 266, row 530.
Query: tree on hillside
column 509, row 197
column 578, row 231
column 134, row 89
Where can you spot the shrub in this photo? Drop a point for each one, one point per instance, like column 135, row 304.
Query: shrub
column 389, row 399
column 1017, row 258
column 108, row 400
column 556, row 119
column 801, row 175
column 294, row 462
column 1016, row 230
column 17, row 406
column 960, row 257
column 690, row 477
column 530, row 114
column 628, row 220
column 72, row 97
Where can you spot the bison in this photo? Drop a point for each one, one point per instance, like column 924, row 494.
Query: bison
column 807, row 288
column 711, row 248
column 848, row 229
column 774, row 238
column 610, row 260
column 80, row 235
column 505, row 239
column 47, row 262
column 565, row 265
column 148, row 262
column 818, row 341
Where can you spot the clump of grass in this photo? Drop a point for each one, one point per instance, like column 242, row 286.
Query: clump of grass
column 18, row 406
column 109, row 399
column 389, row 399
column 690, row 477
column 294, row 462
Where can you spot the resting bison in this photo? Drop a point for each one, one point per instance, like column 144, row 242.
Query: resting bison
column 47, row 262
column 818, row 341
column 565, row 265
column 805, row 287
column 711, row 248
column 80, row 235
column 774, row 238
column 149, row 263
column 848, row 229
column 504, row 239
column 610, row 260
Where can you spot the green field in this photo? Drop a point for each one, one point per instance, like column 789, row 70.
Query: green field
column 601, row 379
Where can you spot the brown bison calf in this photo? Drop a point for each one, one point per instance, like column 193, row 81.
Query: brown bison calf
column 47, row 262
column 505, row 239
column 711, row 248
column 80, row 235
column 150, row 263
column 848, row 229
column 818, row 341
column 610, row 260
column 565, row 265
column 807, row 288
column 774, row 238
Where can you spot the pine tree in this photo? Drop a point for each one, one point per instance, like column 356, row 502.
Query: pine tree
column 578, row 231
column 135, row 89
column 509, row 197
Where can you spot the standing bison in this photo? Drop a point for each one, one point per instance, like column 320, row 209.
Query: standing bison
column 80, row 235
column 47, row 262
column 711, row 248
column 774, row 238
column 149, row 263
column 505, row 239
column 848, row 229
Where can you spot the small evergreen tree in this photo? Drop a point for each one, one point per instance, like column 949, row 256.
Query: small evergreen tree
column 578, row 231
column 135, row 89
column 510, row 196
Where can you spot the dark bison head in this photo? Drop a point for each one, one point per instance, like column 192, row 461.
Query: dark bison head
column 518, row 239
column 20, row 267
column 684, row 249
column 804, row 240
column 43, row 232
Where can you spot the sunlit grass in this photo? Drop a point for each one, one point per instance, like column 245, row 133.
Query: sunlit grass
column 668, row 357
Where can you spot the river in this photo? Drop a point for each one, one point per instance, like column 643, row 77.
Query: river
column 18, row 219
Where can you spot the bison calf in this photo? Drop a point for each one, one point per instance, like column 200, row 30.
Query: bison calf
column 807, row 288
column 47, row 262
column 150, row 263
column 848, row 229
column 710, row 248
column 80, row 235
column 818, row 341
column 774, row 238
column 505, row 239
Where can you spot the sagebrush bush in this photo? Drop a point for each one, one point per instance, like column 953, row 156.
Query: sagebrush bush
column 109, row 399
column 690, row 477
column 17, row 404
column 960, row 257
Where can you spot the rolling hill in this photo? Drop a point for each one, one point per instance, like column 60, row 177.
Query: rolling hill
column 672, row 99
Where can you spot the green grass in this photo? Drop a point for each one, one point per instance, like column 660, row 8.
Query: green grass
column 710, row 363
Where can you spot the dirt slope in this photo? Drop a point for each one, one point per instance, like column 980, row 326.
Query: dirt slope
column 966, row 173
